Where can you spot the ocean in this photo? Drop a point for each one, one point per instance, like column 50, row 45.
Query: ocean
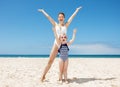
column 46, row 56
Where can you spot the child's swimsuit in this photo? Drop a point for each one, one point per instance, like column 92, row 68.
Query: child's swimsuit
column 63, row 50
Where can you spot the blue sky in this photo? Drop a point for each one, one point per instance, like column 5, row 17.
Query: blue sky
column 23, row 30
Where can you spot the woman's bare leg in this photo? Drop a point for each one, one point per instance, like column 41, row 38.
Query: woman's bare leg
column 52, row 56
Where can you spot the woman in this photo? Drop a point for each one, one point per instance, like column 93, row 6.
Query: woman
column 61, row 27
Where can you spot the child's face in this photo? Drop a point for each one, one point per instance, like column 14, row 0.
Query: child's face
column 63, row 38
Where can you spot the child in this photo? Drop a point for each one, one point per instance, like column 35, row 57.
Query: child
column 63, row 50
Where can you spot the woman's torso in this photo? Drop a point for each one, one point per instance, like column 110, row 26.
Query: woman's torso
column 61, row 29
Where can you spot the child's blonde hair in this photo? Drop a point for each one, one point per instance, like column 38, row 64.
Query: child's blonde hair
column 62, row 35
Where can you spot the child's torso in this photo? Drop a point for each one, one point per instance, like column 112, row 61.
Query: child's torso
column 63, row 50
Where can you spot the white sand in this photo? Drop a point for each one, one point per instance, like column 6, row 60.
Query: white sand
column 82, row 72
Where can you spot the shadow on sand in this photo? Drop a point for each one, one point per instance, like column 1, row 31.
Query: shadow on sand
column 84, row 80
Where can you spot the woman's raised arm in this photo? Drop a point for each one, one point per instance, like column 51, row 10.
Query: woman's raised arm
column 72, row 16
column 48, row 17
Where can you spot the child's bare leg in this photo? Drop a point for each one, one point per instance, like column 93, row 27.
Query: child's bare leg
column 61, row 66
column 65, row 70
column 52, row 56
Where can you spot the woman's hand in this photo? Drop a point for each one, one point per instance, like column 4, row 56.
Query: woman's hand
column 79, row 8
column 40, row 10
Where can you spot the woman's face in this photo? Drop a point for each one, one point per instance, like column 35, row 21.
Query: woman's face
column 61, row 18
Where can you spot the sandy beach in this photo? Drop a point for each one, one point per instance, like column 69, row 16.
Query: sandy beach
column 82, row 72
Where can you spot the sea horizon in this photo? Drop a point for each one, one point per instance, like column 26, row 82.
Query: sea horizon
column 71, row 56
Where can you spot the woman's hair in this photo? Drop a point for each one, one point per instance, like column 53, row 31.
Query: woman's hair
column 62, row 14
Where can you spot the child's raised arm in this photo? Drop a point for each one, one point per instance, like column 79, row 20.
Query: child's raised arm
column 73, row 37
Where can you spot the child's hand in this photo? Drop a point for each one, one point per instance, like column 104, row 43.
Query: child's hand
column 74, row 31
column 40, row 10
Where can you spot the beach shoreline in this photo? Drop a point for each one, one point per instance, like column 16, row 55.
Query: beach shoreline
column 83, row 72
